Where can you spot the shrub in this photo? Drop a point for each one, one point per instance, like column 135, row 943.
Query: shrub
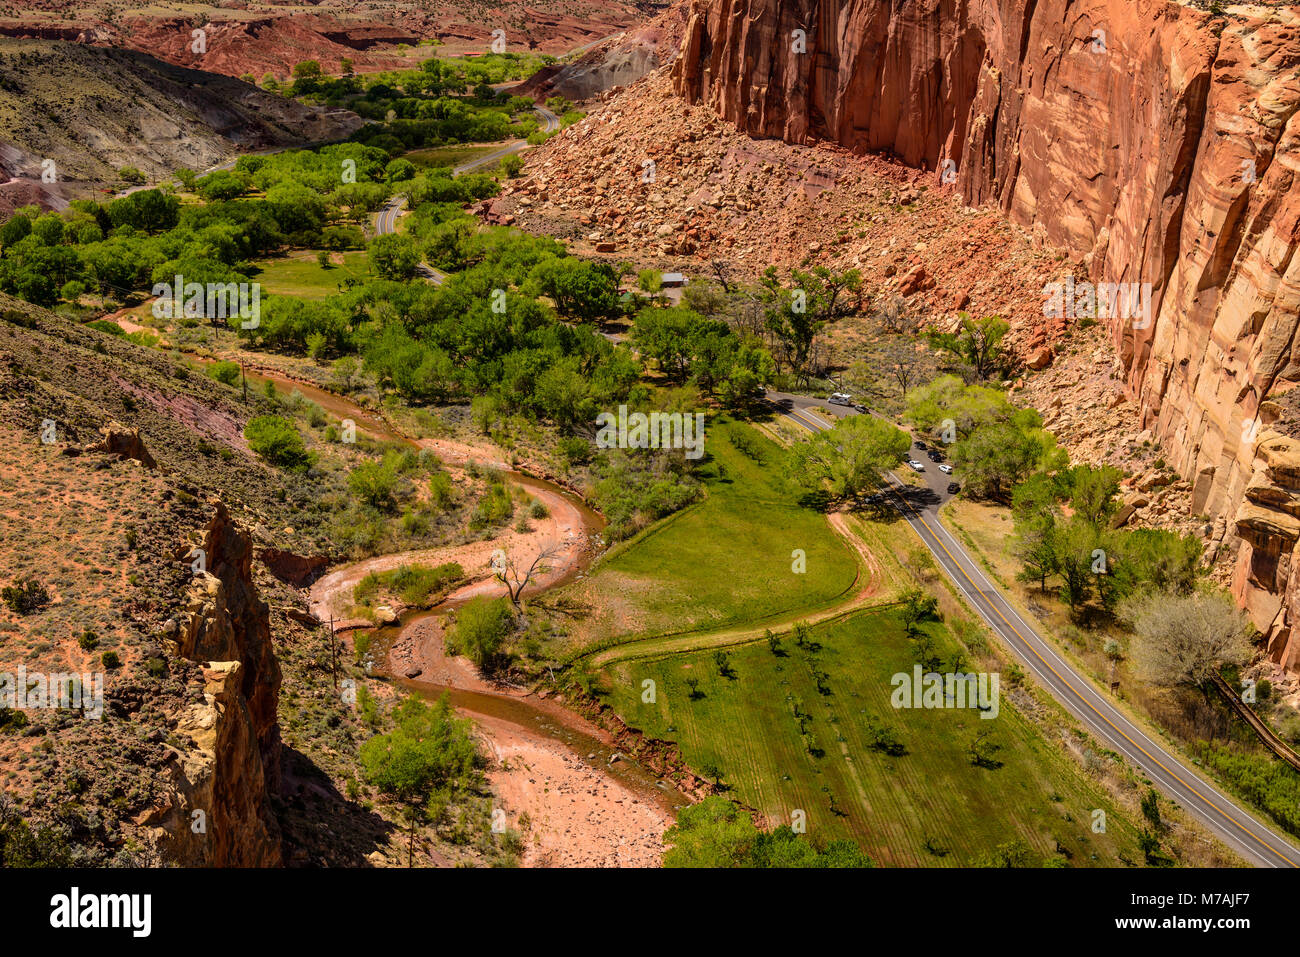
column 374, row 483
column 575, row 450
column 111, row 659
column 496, row 507
column 417, row 585
column 103, row 325
column 277, row 441
column 225, row 371
column 25, row 596
column 442, row 492
column 481, row 629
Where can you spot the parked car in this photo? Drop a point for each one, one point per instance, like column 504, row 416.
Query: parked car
column 935, row 455
column 840, row 398
column 945, row 469
column 916, row 465
column 953, row 488
column 860, row 407
column 920, row 445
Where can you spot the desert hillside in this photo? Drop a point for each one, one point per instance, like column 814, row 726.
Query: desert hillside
column 93, row 111
column 261, row 38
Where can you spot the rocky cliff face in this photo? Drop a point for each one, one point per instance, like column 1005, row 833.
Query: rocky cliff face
column 234, row 767
column 1154, row 142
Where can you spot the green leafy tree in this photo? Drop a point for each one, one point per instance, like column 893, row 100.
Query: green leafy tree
column 996, row 458
column 428, row 754
column 850, row 457
column 394, row 257
column 978, row 343
column 1077, row 543
column 916, row 607
column 586, row 292
column 374, row 483
column 482, row 625
column 796, row 312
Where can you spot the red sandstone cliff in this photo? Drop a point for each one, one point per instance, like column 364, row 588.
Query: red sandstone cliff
column 1152, row 141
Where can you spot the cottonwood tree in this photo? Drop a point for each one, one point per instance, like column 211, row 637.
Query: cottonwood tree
column 798, row 311
column 516, row 577
column 917, row 607
column 849, row 458
column 997, row 458
column 978, row 343
column 481, row 628
column 1183, row 640
column 428, row 754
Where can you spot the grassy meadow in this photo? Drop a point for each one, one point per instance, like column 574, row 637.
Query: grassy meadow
column 928, row 806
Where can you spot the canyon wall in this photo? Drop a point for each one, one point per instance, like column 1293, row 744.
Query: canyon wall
column 1150, row 141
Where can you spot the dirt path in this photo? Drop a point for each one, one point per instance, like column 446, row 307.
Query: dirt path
column 864, row 589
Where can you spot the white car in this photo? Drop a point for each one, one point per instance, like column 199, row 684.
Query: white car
column 945, row 469
column 916, row 465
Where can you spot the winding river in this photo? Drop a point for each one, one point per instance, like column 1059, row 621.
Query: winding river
column 541, row 717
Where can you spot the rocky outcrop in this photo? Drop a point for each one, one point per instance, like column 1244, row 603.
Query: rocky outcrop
column 233, row 766
column 614, row 62
column 120, row 440
column 1154, row 142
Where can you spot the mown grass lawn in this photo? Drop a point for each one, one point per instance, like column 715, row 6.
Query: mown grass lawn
column 746, row 726
column 447, row 155
column 301, row 275
column 727, row 559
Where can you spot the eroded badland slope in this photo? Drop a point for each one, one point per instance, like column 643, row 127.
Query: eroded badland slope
column 93, row 111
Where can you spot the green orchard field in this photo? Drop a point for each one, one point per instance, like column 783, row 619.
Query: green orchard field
column 929, row 806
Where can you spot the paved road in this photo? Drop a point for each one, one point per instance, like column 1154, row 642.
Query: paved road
column 386, row 218
column 1239, row 829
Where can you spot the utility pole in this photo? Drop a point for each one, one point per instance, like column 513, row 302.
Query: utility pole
column 243, row 379
column 333, row 652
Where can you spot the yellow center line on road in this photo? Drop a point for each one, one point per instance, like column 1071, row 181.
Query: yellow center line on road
column 1028, row 644
column 1081, row 697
